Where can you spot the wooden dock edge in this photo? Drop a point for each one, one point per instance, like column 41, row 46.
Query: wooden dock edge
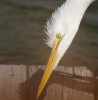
column 20, row 82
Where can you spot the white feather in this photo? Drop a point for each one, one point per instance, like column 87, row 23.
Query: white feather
column 66, row 19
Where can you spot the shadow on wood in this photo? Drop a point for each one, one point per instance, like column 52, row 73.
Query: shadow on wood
column 61, row 86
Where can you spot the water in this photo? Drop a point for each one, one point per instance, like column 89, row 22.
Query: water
column 22, row 31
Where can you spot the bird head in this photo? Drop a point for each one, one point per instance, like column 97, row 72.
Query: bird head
column 59, row 47
column 61, row 29
column 52, row 62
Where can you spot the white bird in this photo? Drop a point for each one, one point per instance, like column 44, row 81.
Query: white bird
column 61, row 29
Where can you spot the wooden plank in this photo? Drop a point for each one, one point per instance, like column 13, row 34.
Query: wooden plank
column 53, row 89
column 55, row 82
column 34, row 74
column 96, row 83
column 83, row 84
column 11, row 78
column 19, row 82
column 67, row 83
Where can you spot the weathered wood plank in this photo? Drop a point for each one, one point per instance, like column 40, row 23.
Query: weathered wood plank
column 83, row 85
column 95, row 84
column 10, row 79
column 67, row 83
column 55, row 85
column 20, row 82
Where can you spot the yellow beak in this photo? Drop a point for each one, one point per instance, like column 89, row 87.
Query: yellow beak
column 49, row 68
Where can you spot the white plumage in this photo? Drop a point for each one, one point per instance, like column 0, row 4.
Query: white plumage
column 66, row 19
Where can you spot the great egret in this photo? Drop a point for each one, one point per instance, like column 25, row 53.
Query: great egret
column 60, row 30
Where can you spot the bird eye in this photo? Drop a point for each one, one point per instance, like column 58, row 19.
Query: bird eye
column 58, row 36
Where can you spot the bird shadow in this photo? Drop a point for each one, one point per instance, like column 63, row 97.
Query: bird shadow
column 28, row 90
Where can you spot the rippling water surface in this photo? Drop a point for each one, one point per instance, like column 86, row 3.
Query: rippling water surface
column 22, row 31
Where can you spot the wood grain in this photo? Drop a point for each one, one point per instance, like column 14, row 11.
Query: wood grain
column 10, row 79
column 20, row 82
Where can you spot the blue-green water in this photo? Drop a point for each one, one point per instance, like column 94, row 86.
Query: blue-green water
column 22, row 31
